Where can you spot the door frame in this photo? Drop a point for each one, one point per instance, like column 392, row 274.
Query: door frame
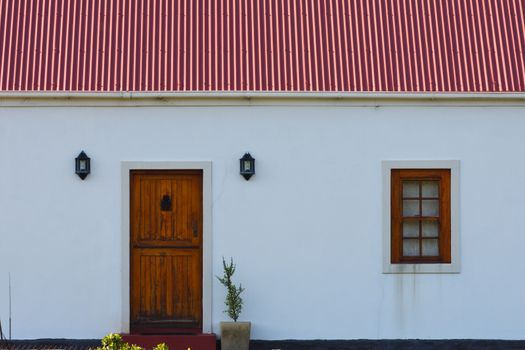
column 207, row 268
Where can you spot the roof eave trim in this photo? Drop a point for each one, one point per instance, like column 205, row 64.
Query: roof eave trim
column 422, row 96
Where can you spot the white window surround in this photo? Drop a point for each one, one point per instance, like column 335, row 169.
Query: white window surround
column 207, row 273
column 453, row 165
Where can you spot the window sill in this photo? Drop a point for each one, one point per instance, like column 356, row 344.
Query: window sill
column 421, row 268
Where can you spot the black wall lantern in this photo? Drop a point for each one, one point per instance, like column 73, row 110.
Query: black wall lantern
column 82, row 165
column 247, row 166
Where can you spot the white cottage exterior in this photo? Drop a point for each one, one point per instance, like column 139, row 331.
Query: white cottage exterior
column 311, row 232
column 306, row 231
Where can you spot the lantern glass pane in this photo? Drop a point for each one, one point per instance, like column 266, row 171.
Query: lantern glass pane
column 82, row 165
column 247, row 165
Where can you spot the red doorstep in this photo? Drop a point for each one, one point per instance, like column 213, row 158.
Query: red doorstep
column 174, row 342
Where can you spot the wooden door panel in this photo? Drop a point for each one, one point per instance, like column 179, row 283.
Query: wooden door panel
column 166, row 249
column 179, row 226
column 168, row 287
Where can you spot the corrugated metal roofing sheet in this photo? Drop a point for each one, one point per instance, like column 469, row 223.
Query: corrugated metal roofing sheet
column 264, row 45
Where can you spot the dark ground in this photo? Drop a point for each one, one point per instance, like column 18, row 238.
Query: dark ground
column 67, row 344
column 55, row 344
column 388, row 345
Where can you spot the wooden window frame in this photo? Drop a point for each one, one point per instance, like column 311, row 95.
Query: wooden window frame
column 417, row 267
column 398, row 176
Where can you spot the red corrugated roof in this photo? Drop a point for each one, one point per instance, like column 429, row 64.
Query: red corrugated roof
column 264, row 45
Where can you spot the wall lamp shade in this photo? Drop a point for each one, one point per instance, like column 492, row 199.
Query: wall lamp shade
column 82, row 165
column 247, row 166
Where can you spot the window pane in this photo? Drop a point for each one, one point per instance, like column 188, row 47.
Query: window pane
column 411, row 229
column 411, row 189
column 430, row 189
column 410, row 207
column 430, row 207
column 430, row 229
column 430, row 247
column 410, row 247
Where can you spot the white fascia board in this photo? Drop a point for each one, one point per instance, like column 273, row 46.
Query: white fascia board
column 254, row 97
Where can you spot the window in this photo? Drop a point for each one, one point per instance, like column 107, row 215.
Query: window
column 420, row 217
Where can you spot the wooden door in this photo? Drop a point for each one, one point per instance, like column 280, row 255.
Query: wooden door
column 166, row 251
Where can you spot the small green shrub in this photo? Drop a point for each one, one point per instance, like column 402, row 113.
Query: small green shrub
column 233, row 296
column 114, row 341
column 161, row 346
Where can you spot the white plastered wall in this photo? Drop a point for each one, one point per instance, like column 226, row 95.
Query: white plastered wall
column 305, row 231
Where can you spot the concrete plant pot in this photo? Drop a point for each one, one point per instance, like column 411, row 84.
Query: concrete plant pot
column 235, row 335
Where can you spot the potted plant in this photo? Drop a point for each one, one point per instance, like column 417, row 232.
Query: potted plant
column 234, row 335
